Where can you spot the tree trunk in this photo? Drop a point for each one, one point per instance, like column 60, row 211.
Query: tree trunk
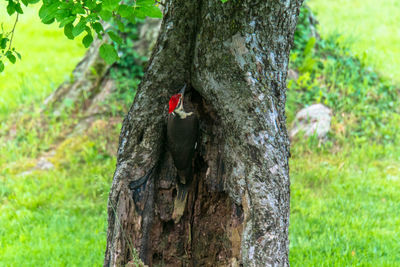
column 234, row 58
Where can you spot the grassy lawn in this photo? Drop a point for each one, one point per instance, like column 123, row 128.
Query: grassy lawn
column 371, row 26
column 48, row 58
column 344, row 198
column 344, row 207
column 55, row 217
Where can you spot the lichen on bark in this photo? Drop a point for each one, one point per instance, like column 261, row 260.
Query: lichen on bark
column 234, row 57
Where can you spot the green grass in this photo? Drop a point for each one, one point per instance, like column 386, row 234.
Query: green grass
column 56, row 217
column 48, row 58
column 344, row 193
column 344, row 207
column 372, row 26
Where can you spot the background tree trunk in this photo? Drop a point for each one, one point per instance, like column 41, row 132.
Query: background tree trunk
column 234, row 57
column 91, row 83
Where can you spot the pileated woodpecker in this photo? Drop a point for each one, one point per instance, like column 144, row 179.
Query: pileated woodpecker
column 182, row 130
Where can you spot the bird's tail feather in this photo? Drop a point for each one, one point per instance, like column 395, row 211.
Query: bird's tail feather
column 180, row 201
column 182, row 190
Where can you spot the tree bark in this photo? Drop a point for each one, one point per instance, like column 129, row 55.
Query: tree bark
column 234, row 58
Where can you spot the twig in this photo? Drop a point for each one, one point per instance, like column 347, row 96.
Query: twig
column 12, row 31
column 12, row 36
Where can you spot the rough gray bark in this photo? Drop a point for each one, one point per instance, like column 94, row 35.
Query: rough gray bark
column 234, row 57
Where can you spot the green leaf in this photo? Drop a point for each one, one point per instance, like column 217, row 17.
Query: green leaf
column 78, row 9
column 115, row 37
column 49, row 21
column 147, row 11
column 68, row 31
column 18, row 8
column 18, row 55
column 97, row 8
column 1, row 66
column 98, row 28
column 48, row 12
column 108, row 53
column 91, row 4
column 66, row 21
column 105, row 15
column 80, row 27
column 11, row 57
column 125, row 11
column 33, row 1
column 121, row 26
column 25, row 2
column 87, row 40
column 110, row 5
column 147, row 8
column 10, row 7
column 93, row 17
column 3, row 43
column 66, row 6
column 62, row 13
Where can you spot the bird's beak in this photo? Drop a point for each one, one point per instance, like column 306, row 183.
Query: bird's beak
column 182, row 91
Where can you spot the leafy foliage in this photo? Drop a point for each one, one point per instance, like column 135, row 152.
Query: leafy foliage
column 56, row 216
column 373, row 30
column 108, row 53
column 330, row 74
column 127, row 72
column 82, row 16
column 6, row 49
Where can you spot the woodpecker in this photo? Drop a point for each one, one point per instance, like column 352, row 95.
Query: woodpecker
column 182, row 130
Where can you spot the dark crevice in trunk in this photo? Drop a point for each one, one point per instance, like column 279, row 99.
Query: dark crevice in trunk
column 193, row 39
column 185, row 241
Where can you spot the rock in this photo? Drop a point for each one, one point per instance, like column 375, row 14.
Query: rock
column 44, row 164
column 315, row 119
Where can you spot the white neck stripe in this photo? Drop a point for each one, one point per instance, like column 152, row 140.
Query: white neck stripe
column 181, row 112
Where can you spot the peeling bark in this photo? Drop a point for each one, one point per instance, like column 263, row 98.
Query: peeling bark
column 234, row 57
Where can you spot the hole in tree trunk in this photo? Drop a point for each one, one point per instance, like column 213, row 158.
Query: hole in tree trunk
column 140, row 137
column 174, row 193
column 208, row 234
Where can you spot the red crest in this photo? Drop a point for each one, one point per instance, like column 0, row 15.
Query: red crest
column 173, row 102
